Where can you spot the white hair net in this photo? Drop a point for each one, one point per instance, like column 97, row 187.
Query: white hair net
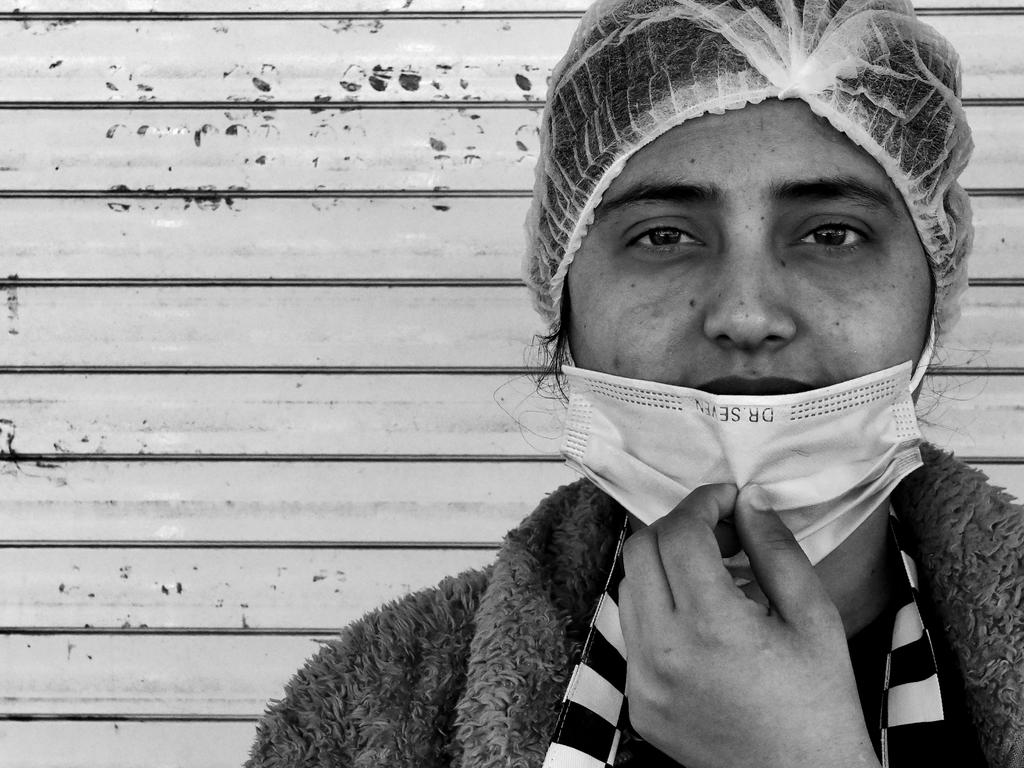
column 637, row 68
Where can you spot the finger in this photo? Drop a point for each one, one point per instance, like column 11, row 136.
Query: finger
column 642, row 564
column 781, row 568
column 629, row 617
column 689, row 548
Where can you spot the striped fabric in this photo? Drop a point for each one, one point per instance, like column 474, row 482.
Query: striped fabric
column 594, row 709
column 911, row 704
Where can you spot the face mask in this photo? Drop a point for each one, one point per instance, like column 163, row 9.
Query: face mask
column 826, row 459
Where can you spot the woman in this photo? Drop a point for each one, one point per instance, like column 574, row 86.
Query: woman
column 747, row 231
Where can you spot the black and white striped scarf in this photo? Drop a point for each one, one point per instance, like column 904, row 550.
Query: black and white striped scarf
column 594, row 711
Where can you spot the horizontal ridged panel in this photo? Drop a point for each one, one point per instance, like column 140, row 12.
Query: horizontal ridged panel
column 344, row 60
column 166, row 503
column 330, row 238
column 42, row 744
column 147, row 675
column 1009, row 477
column 209, row 588
column 343, row 326
column 418, row 150
column 284, row 7
column 425, row 415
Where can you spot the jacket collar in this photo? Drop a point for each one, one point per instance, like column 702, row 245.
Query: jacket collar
column 968, row 539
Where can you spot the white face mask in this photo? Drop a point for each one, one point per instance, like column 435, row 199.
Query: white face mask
column 826, row 459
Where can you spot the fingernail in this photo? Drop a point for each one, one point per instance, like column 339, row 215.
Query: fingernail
column 756, row 497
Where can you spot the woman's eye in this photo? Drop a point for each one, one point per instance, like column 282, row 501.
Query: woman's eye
column 833, row 235
column 661, row 236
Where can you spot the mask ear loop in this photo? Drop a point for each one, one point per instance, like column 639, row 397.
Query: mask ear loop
column 926, row 358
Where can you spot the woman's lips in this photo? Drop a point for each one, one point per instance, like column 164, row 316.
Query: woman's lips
column 739, row 385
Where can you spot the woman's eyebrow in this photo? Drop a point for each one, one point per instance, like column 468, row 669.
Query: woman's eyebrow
column 659, row 192
column 836, row 188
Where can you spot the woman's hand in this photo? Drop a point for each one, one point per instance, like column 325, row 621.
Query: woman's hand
column 718, row 680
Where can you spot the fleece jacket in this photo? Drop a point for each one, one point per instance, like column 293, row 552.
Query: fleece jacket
column 471, row 673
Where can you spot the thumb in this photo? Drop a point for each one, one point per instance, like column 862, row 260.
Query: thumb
column 781, row 568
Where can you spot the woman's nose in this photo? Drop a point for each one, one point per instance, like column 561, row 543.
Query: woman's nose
column 748, row 306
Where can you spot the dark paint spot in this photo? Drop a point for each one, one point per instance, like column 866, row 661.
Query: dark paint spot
column 409, row 81
column 523, row 82
column 261, row 160
column 111, row 86
column 207, row 128
column 262, row 85
column 438, row 145
column 207, row 203
column 12, row 315
column 693, row 302
column 463, row 83
column 141, row 130
column 520, row 146
column 442, row 207
column 380, row 77
column 56, row 64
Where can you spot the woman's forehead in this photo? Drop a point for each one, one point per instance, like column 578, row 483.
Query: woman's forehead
column 767, row 148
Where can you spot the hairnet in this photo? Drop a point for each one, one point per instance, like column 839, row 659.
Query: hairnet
column 637, row 68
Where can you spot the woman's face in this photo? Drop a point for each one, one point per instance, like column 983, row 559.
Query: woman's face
column 755, row 252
